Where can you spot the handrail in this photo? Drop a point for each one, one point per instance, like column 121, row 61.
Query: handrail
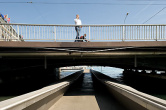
column 94, row 33
column 83, row 24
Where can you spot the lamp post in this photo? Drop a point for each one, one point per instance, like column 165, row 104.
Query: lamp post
column 126, row 17
column 124, row 34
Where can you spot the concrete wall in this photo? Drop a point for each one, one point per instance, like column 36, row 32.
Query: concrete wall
column 41, row 99
column 128, row 103
column 129, row 97
column 48, row 101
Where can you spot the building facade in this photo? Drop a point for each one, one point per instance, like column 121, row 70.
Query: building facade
column 8, row 32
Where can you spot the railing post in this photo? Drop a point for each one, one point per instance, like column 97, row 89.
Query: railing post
column 123, row 33
column 156, row 33
column 18, row 32
column 55, row 32
column 89, row 33
column 12, row 33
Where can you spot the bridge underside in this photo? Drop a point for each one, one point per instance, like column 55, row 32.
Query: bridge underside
column 141, row 55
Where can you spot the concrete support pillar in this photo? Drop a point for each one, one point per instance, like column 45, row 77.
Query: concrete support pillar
column 135, row 61
column 57, row 73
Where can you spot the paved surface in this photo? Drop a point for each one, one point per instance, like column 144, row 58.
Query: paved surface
column 84, row 96
column 76, row 103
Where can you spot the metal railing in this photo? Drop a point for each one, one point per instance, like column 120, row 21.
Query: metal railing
column 94, row 33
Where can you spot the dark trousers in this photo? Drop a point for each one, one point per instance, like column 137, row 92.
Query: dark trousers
column 78, row 29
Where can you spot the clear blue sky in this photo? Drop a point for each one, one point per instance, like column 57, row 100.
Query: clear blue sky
column 110, row 12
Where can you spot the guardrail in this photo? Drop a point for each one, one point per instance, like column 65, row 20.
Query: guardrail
column 67, row 33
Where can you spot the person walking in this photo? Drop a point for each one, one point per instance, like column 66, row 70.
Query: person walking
column 77, row 28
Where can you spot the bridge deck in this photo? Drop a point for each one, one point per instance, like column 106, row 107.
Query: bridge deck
column 128, row 54
column 84, row 44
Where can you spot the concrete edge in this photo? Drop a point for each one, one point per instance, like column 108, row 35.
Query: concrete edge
column 145, row 100
column 136, row 97
column 132, row 90
column 42, row 97
column 27, row 99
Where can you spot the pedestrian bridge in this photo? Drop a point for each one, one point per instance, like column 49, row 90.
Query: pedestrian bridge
column 122, row 46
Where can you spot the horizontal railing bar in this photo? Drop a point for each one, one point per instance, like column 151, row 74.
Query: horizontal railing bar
column 83, row 25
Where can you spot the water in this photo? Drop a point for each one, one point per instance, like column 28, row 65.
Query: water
column 110, row 71
column 67, row 73
column 83, row 86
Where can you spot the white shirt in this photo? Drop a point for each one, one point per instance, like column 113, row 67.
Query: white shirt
column 78, row 22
